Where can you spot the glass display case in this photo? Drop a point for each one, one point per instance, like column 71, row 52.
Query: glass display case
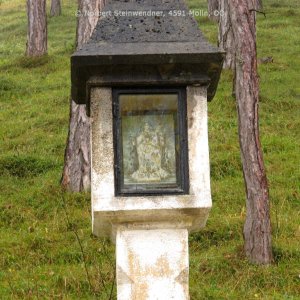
column 150, row 141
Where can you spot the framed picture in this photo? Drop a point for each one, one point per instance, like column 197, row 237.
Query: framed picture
column 150, row 141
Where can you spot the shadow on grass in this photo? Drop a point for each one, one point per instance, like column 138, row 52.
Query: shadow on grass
column 225, row 168
column 24, row 166
column 284, row 255
column 208, row 238
column 33, row 62
column 26, row 62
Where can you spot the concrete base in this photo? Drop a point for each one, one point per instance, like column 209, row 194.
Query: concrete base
column 152, row 264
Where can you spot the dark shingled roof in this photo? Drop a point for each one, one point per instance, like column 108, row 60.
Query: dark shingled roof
column 133, row 39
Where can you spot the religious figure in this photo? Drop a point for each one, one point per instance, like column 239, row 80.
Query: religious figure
column 150, row 149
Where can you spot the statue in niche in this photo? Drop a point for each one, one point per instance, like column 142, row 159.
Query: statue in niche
column 150, row 151
column 150, row 155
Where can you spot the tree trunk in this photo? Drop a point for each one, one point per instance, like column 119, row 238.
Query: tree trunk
column 225, row 39
column 259, row 4
column 55, row 8
column 257, row 228
column 37, row 28
column 213, row 10
column 77, row 167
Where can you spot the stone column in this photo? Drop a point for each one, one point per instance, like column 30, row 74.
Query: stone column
column 152, row 263
column 150, row 232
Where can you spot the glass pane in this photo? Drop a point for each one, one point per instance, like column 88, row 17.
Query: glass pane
column 149, row 139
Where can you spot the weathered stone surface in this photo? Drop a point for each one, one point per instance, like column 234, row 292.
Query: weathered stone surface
column 185, row 211
column 161, row 27
column 151, row 232
column 152, row 263
column 102, row 159
column 127, row 43
column 198, row 142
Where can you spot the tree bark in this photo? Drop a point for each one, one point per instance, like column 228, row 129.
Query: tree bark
column 213, row 10
column 77, row 166
column 37, row 28
column 55, row 9
column 259, row 4
column 257, row 228
column 225, row 39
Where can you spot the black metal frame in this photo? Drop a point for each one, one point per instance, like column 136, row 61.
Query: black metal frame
column 182, row 185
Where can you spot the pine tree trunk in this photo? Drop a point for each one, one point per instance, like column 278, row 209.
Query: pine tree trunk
column 257, row 228
column 77, row 167
column 37, row 28
column 259, row 4
column 213, row 10
column 226, row 42
column 55, row 9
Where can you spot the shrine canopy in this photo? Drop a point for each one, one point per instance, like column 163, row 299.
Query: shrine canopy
column 145, row 43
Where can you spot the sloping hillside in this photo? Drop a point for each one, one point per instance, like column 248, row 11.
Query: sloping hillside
column 46, row 247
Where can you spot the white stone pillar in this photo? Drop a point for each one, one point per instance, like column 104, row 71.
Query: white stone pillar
column 150, row 232
column 152, row 264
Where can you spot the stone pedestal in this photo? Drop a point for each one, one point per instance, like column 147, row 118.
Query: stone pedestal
column 150, row 232
column 152, row 264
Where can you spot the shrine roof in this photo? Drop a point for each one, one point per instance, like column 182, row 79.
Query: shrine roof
column 145, row 32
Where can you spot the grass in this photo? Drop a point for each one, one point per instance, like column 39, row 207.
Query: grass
column 41, row 226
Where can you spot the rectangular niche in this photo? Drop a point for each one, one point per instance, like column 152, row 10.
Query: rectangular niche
column 150, row 141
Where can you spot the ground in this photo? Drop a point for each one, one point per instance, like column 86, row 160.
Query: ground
column 46, row 247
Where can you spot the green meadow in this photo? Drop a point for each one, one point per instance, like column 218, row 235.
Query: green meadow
column 47, row 250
